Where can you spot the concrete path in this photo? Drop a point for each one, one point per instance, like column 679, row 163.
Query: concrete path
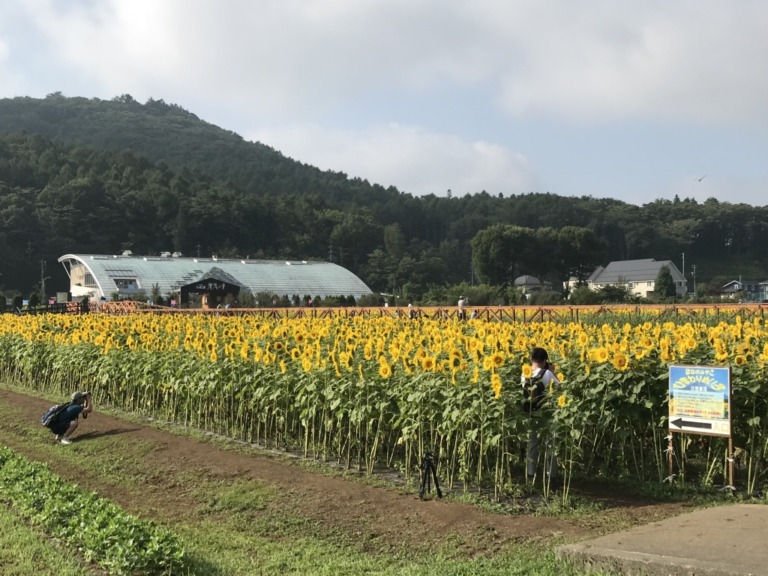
column 723, row 541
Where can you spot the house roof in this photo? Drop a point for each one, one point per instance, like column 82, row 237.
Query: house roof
column 527, row 280
column 738, row 285
column 644, row 270
column 595, row 274
column 171, row 273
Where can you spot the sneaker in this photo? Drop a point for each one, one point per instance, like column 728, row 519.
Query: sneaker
column 65, row 441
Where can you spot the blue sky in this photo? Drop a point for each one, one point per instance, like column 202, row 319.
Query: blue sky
column 633, row 100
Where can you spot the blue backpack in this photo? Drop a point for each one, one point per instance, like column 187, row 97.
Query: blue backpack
column 52, row 414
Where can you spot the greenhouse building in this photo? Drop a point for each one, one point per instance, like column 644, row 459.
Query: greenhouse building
column 128, row 276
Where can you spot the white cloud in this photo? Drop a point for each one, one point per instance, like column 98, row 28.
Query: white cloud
column 692, row 60
column 3, row 62
column 453, row 75
column 409, row 158
column 688, row 60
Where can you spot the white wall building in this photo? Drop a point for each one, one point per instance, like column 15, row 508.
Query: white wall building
column 639, row 276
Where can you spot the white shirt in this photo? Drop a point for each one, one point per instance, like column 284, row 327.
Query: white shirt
column 546, row 379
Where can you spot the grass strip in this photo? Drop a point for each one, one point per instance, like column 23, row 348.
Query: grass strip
column 245, row 527
column 24, row 550
column 102, row 531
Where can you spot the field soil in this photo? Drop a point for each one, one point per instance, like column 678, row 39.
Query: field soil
column 380, row 515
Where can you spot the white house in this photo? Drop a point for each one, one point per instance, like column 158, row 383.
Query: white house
column 639, row 276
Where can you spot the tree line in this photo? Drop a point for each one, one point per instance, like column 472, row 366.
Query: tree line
column 95, row 176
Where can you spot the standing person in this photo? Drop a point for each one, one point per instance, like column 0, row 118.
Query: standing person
column 66, row 422
column 462, row 302
column 535, row 390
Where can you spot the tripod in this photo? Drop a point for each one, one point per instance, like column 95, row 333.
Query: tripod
column 427, row 466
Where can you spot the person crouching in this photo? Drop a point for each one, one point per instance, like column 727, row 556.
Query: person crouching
column 67, row 421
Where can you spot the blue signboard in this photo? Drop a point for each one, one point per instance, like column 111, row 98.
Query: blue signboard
column 700, row 400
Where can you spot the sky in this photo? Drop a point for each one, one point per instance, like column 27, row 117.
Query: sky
column 636, row 100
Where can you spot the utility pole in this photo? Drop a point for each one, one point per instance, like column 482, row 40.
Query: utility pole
column 43, row 299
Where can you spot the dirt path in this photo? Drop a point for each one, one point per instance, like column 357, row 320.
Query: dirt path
column 393, row 517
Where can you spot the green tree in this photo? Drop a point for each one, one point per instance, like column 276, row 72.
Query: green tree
column 500, row 253
column 664, row 286
column 613, row 294
column 394, row 241
column 580, row 252
column 155, row 294
column 584, row 295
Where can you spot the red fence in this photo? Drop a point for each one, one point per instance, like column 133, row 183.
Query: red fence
column 490, row 313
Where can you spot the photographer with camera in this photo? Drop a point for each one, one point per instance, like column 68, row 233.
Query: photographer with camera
column 66, row 421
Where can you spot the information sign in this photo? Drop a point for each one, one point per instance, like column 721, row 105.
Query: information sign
column 700, row 400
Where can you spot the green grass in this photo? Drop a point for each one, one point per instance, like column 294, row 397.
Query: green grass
column 242, row 526
column 25, row 551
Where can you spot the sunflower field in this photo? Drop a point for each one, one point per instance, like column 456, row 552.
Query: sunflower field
column 380, row 392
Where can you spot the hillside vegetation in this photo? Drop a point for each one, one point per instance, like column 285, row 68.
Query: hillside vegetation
column 97, row 176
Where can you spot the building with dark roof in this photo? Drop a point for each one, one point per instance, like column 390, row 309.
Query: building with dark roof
column 531, row 285
column 639, row 276
column 748, row 290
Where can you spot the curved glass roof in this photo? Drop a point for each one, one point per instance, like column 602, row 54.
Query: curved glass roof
column 131, row 274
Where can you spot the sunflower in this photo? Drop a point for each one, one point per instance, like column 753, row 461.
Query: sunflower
column 527, row 371
column 620, row 361
column 497, row 360
column 601, row 355
column 385, row 371
column 496, row 385
column 562, row 400
column 428, row 364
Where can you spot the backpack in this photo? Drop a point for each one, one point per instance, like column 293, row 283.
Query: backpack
column 52, row 414
column 534, row 392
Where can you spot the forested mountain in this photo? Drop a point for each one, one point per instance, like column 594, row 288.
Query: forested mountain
column 80, row 175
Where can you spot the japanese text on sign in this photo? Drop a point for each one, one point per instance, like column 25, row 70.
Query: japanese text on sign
column 699, row 399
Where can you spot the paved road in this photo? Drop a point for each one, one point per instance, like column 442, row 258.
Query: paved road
column 723, row 541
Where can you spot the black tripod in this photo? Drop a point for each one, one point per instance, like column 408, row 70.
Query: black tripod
column 427, row 466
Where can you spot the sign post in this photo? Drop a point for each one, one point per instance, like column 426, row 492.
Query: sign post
column 700, row 403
